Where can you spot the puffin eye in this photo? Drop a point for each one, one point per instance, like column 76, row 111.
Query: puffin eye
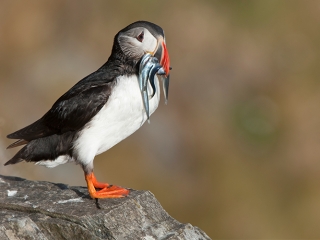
column 140, row 37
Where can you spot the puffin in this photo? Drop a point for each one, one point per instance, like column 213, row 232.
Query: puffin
column 102, row 109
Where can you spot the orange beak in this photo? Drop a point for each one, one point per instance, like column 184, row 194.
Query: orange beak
column 163, row 56
column 165, row 59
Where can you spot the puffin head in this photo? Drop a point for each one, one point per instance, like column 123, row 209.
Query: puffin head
column 143, row 37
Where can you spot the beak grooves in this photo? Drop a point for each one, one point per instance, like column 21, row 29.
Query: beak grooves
column 165, row 60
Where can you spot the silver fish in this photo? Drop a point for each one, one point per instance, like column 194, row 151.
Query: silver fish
column 149, row 67
column 165, row 82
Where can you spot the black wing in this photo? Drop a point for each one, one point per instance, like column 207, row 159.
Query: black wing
column 71, row 111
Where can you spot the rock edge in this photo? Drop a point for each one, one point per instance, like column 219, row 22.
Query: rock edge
column 44, row 210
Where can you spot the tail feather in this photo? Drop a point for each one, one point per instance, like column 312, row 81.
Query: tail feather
column 17, row 143
column 18, row 157
column 14, row 160
column 47, row 148
column 33, row 131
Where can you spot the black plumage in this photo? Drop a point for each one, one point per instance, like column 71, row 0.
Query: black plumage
column 50, row 147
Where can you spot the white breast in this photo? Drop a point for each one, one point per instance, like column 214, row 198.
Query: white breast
column 122, row 115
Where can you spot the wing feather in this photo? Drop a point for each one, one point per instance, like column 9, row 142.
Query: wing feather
column 71, row 111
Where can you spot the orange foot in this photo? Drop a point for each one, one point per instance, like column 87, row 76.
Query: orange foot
column 107, row 190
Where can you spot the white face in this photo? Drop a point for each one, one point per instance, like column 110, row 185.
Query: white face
column 136, row 42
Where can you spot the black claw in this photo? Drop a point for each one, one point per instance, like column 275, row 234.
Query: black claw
column 97, row 203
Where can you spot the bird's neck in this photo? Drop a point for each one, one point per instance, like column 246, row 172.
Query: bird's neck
column 120, row 63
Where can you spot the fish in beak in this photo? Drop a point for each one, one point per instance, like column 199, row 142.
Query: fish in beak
column 163, row 56
column 150, row 66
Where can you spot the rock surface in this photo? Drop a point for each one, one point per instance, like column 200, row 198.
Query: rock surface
column 44, row 210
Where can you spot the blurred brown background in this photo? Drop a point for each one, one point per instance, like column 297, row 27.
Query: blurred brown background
column 236, row 151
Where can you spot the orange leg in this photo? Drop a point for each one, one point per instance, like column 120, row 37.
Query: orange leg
column 107, row 191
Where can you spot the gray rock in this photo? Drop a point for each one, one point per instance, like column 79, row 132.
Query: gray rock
column 44, row 210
